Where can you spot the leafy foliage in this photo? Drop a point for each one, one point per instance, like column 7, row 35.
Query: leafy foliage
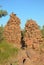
column 3, row 13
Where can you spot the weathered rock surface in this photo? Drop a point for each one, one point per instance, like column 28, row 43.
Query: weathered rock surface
column 32, row 54
column 32, row 36
column 12, row 31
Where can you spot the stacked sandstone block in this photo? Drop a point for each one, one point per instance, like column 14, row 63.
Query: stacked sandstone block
column 32, row 35
column 12, row 31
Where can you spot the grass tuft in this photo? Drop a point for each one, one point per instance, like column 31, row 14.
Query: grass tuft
column 6, row 51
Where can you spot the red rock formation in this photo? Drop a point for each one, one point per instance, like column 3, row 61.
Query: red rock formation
column 32, row 35
column 12, row 31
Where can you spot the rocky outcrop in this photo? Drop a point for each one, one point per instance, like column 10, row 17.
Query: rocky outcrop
column 32, row 36
column 30, row 40
column 12, row 31
column 33, row 39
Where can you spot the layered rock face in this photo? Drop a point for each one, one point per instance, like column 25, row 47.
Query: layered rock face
column 32, row 35
column 12, row 31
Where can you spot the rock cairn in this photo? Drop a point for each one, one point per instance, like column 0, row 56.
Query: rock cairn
column 12, row 31
column 32, row 35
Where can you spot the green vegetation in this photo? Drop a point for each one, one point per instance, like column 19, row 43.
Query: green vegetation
column 42, row 30
column 7, row 51
column 3, row 13
column 1, row 33
column 15, row 63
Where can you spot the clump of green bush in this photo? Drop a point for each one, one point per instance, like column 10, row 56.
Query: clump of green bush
column 1, row 33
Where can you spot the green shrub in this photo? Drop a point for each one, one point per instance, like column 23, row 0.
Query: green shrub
column 1, row 33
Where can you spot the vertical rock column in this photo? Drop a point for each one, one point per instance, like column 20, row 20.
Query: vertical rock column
column 33, row 36
column 12, row 31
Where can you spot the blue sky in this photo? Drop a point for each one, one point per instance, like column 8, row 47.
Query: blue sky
column 24, row 9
